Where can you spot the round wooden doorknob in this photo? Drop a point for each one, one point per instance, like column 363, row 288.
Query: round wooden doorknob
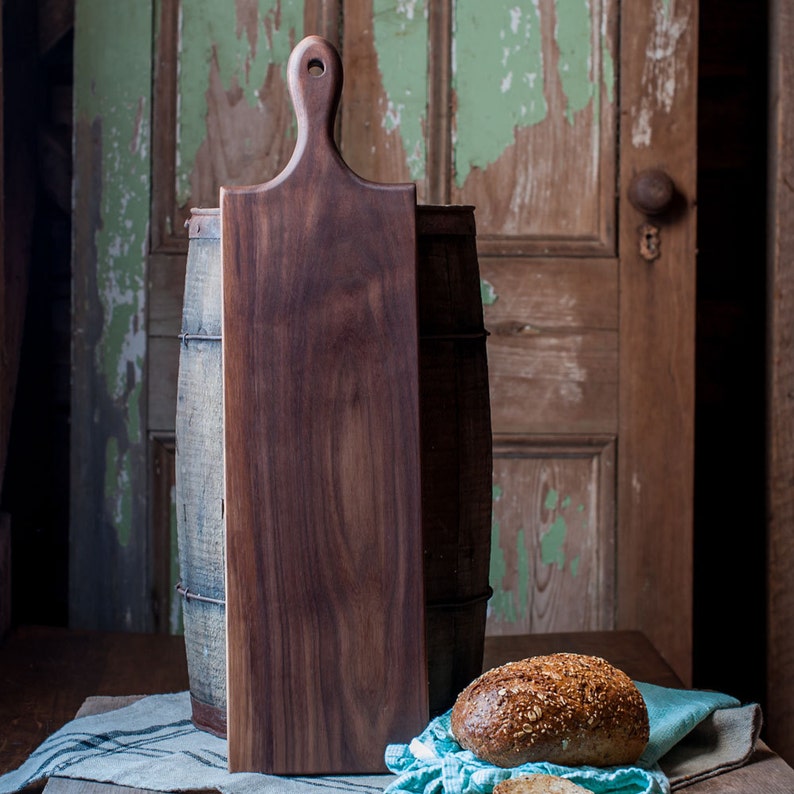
column 651, row 191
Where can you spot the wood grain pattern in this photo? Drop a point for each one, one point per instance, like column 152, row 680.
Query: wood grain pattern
column 553, row 566
column 526, row 199
column 455, row 442
column 325, row 614
column 199, row 482
column 371, row 139
column 780, row 422
column 553, row 348
column 630, row 651
column 83, row 663
column 657, row 329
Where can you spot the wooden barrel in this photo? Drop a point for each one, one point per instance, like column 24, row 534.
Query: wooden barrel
column 199, row 475
column 456, row 464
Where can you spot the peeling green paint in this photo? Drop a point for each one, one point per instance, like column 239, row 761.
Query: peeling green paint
column 509, row 606
column 574, row 36
column 501, row 602
column 113, row 85
column 497, row 77
column 608, row 70
column 400, row 33
column 112, row 99
column 552, row 542
column 522, row 562
column 118, row 494
column 244, row 49
column 501, row 81
column 487, row 293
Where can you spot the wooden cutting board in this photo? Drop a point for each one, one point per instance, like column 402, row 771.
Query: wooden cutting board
column 325, row 609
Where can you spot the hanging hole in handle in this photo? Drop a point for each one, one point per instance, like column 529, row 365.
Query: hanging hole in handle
column 316, row 67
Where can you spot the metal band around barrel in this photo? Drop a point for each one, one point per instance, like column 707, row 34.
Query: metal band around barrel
column 188, row 596
column 452, row 604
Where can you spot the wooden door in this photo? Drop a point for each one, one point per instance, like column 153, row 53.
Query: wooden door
column 534, row 114
column 539, row 113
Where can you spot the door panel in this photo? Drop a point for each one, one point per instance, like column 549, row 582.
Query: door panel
column 222, row 108
column 657, row 330
column 552, row 561
column 534, row 124
column 534, row 150
column 383, row 134
column 553, row 349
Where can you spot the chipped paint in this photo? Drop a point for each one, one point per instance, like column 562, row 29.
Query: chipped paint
column 503, row 82
column 512, row 605
column 488, row 293
column 660, row 73
column 501, row 605
column 607, row 67
column 118, row 493
column 573, row 34
column 506, row 605
column 497, row 78
column 522, row 564
column 112, row 99
column 552, row 542
column 243, row 41
column 400, row 33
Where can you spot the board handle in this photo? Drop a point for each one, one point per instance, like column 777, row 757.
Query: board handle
column 315, row 77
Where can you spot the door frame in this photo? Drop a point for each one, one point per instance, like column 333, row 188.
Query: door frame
column 780, row 383
column 658, row 103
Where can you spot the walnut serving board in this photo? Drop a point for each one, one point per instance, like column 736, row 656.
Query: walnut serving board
column 325, row 606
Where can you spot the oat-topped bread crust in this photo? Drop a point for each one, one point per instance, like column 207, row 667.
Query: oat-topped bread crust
column 538, row 784
column 564, row 708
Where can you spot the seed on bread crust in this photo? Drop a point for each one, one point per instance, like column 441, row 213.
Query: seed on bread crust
column 563, row 708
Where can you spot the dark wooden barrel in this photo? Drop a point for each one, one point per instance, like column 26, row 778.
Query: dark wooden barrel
column 456, row 465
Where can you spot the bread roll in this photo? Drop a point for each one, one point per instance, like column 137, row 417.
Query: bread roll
column 538, row 784
column 564, row 708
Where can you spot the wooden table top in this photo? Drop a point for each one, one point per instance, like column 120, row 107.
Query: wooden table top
column 46, row 674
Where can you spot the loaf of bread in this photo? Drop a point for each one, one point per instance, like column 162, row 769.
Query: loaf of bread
column 538, row 784
column 563, row 708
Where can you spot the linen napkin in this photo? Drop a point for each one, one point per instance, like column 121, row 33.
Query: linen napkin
column 152, row 744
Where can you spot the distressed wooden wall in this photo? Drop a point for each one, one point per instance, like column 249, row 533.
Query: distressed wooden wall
column 510, row 106
column 111, row 576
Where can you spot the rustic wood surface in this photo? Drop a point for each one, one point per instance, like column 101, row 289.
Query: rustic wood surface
column 657, row 333
column 630, row 651
column 46, row 674
column 582, row 598
column 199, row 484
column 780, row 438
column 324, row 584
column 550, row 192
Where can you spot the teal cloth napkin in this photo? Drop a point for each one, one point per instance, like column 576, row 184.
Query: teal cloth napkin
column 434, row 763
